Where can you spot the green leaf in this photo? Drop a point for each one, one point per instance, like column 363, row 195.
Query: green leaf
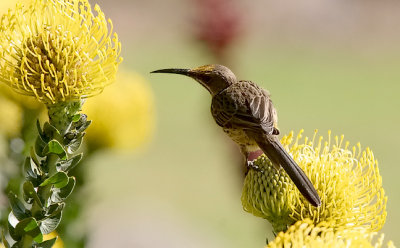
column 70, row 136
column 30, row 227
column 48, row 243
column 60, row 195
column 11, row 227
column 76, row 118
column 59, row 180
column 84, row 126
column 28, row 170
column 81, row 125
column 39, row 146
column 53, row 208
column 82, row 121
column 17, row 206
column 4, row 240
column 30, row 193
column 50, row 132
column 54, row 147
column 32, row 171
column 39, row 128
column 51, row 222
column 69, row 164
column 33, row 157
column 74, row 144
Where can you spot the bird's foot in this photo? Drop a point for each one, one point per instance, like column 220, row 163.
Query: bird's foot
column 252, row 166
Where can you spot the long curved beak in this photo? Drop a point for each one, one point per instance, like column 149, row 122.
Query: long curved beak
column 185, row 72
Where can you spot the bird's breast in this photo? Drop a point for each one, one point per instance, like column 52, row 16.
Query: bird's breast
column 241, row 138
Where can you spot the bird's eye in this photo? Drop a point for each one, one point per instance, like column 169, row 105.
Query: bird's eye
column 204, row 78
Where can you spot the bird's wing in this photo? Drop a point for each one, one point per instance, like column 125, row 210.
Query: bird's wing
column 252, row 109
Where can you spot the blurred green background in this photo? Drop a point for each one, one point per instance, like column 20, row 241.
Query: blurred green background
column 328, row 65
column 331, row 65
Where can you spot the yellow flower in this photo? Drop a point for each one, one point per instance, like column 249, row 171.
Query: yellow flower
column 57, row 50
column 123, row 115
column 347, row 180
column 305, row 234
column 58, row 244
column 5, row 5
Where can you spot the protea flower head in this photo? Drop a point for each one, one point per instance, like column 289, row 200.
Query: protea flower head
column 347, row 180
column 57, row 50
column 306, row 234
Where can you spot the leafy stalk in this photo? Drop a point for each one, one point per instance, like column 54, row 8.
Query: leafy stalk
column 47, row 184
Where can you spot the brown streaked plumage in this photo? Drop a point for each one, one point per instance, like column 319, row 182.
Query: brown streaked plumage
column 246, row 113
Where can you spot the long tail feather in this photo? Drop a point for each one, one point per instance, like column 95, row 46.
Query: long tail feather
column 278, row 156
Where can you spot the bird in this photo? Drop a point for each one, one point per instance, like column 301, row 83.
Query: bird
column 245, row 112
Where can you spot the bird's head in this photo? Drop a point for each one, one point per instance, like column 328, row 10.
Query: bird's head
column 213, row 77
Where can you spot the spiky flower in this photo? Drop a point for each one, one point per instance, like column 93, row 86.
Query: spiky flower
column 305, row 234
column 347, row 180
column 57, row 50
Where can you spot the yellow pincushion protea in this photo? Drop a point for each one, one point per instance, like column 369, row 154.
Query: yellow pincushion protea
column 347, row 180
column 305, row 234
column 123, row 115
column 57, row 50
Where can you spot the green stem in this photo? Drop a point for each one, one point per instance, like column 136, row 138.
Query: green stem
column 61, row 114
column 46, row 188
